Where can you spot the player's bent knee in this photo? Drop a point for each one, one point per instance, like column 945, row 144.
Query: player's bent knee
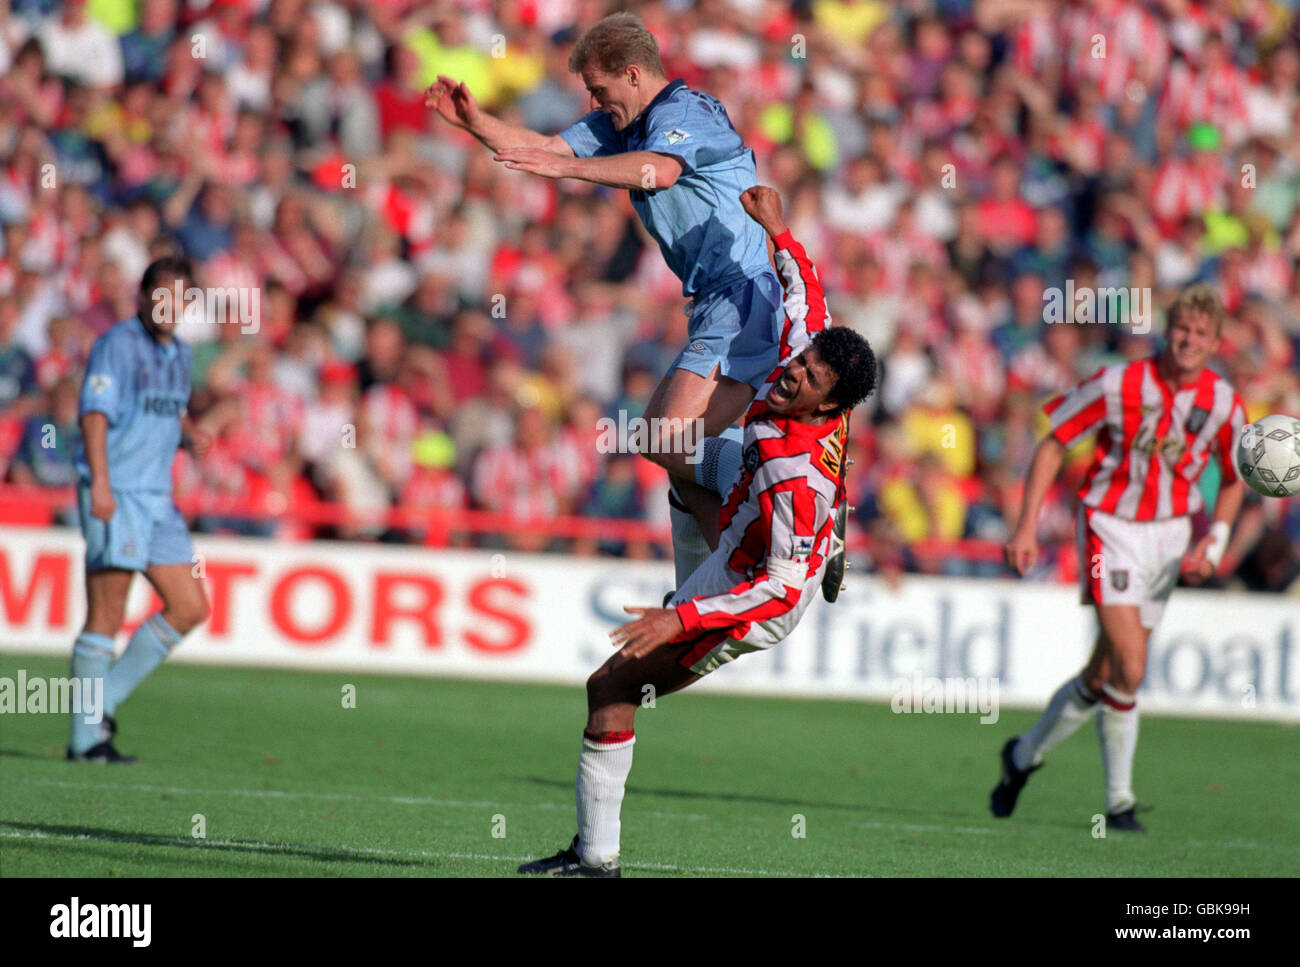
column 599, row 690
column 1128, row 675
column 186, row 619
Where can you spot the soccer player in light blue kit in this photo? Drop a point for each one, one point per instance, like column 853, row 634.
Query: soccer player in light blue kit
column 677, row 153
column 133, row 415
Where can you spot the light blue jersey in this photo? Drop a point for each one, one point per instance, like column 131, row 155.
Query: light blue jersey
column 143, row 386
column 704, row 234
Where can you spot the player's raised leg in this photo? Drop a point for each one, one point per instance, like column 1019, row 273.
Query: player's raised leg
column 1068, row 708
column 185, row 607
column 690, row 414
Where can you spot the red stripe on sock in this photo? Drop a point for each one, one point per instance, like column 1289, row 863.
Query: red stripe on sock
column 1115, row 703
column 607, row 738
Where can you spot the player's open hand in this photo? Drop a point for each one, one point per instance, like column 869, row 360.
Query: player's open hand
column 763, row 205
column 200, row 442
column 453, row 102
column 655, row 627
column 537, row 161
column 1021, row 552
column 1197, row 568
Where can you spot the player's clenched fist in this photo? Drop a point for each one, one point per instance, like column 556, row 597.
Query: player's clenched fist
column 763, row 205
column 453, row 102
column 1021, row 552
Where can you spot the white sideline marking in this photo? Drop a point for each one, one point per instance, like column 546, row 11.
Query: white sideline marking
column 369, row 850
column 346, row 796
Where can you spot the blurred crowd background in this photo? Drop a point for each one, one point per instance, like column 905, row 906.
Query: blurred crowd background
column 943, row 161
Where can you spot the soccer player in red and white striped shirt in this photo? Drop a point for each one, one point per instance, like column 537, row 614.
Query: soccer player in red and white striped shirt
column 1159, row 422
column 776, row 527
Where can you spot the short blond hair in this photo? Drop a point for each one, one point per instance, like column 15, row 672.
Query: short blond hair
column 1198, row 298
column 614, row 44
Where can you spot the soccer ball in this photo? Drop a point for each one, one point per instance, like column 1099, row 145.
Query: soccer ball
column 1268, row 455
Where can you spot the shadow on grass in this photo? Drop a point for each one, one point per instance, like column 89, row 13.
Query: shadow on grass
column 872, row 809
column 324, row 854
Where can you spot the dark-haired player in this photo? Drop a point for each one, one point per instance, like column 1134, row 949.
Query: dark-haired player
column 1159, row 421
column 133, row 416
column 752, row 590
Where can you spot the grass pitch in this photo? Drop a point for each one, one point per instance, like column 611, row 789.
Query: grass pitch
column 429, row 777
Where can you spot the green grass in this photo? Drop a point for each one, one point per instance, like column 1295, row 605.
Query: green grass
column 409, row 782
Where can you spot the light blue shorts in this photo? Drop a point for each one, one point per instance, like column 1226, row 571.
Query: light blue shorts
column 145, row 529
column 736, row 329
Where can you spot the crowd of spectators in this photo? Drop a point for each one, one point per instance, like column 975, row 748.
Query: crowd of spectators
column 436, row 331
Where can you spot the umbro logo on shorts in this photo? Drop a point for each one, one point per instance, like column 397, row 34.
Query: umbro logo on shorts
column 698, row 347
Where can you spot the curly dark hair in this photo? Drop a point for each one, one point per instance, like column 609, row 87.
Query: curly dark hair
column 853, row 362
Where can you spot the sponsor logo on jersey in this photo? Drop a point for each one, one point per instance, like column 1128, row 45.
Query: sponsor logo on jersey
column 162, row 406
column 832, row 455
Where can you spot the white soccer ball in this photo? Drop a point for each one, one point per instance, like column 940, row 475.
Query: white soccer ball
column 1268, row 455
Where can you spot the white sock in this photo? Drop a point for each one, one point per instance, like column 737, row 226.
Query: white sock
column 603, row 766
column 1068, row 708
column 1117, row 729
column 689, row 546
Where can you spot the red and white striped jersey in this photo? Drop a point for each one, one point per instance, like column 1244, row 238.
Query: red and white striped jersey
column 1154, row 440
column 777, row 517
column 1135, row 45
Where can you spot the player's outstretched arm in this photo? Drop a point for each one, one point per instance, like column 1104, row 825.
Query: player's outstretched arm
column 633, row 170
column 804, row 302
column 1022, row 550
column 453, row 102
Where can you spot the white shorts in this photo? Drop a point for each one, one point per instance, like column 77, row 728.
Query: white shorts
column 1131, row 562
column 716, row 648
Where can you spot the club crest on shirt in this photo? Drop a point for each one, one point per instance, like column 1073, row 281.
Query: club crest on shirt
column 676, row 136
column 1119, row 580
column 751, row 457
column 1196, row 419
column 99, row 382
